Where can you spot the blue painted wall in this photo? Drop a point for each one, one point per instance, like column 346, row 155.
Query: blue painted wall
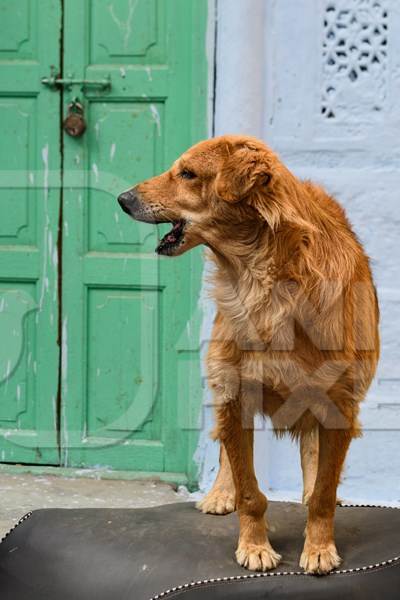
column 320, row 82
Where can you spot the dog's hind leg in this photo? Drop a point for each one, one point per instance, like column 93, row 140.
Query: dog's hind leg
column 309, row 447
column 309, row 444
column 221, row 499
column 254, row 550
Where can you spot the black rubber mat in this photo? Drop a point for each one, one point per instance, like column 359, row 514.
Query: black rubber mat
column 174, row 551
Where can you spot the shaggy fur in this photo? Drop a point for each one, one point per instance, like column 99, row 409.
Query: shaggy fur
column 296, row 332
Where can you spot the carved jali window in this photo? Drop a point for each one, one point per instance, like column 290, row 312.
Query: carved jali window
column 355, row 56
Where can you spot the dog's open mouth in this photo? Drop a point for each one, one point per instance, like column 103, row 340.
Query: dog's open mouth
column 173, row 239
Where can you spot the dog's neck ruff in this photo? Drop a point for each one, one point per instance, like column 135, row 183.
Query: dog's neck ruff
column 242, row 292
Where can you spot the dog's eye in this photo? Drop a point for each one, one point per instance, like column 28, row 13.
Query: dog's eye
column 186, row 174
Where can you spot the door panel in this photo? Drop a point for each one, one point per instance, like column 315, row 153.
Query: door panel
column 29, row 213
column 127, row 32
column 126, row 311
column 108, row 155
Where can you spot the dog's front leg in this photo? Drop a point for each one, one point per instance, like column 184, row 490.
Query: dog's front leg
column 221, row 499
column 320, row 555
column 254, row 550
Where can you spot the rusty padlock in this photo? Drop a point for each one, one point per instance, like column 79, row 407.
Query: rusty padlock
column 74, row 123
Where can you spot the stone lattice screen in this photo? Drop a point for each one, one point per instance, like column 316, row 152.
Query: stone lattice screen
column 355, row 58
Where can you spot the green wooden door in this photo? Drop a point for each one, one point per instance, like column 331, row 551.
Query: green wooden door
column 29, row 212
column 127, row 321
column 126, row 312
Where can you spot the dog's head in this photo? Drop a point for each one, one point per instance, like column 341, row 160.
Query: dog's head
column 215, row 192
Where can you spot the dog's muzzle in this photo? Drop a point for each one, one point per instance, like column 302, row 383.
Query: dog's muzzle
column 132, row 204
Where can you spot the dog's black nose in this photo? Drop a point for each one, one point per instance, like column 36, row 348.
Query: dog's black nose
column 126, row 201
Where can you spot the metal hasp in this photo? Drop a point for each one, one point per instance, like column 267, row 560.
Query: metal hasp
column 55, row 82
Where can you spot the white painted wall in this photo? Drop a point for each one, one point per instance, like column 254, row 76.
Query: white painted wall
column 271, row 74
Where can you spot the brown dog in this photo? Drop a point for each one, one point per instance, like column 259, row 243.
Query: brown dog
column 296, row 332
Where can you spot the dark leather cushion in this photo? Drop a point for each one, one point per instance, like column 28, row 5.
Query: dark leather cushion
column 175, row 551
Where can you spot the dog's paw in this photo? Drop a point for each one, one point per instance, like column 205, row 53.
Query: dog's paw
column 257, row 557
column 319, row 560
column 217, row 502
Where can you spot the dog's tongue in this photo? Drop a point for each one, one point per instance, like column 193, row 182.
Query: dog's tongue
column 171, row 237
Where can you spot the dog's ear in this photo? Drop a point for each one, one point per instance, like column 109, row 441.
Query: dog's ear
column 243, row 170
